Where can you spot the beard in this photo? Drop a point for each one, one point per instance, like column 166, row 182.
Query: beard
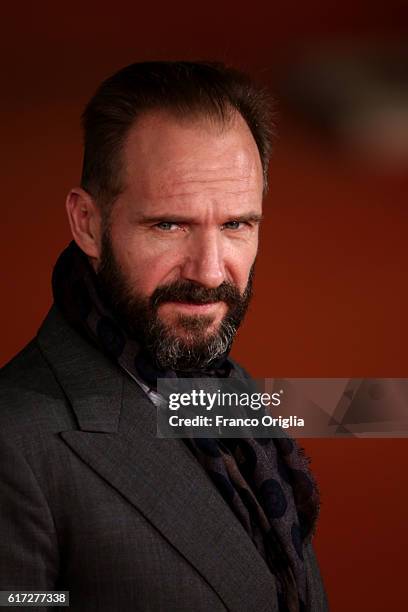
column 196, row 347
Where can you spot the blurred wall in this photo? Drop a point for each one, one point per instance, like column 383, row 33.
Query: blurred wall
column 331, row 297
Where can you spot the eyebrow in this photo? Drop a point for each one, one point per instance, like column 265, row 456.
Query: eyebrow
column 245, row 218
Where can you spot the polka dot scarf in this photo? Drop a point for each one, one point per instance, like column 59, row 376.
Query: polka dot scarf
column 266, row 482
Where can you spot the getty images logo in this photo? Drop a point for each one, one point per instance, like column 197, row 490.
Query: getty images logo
column 208, row 401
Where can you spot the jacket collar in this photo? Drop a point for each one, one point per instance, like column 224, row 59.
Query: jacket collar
column 92, row 383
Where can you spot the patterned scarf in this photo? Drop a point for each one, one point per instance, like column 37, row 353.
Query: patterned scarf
column 266, row 481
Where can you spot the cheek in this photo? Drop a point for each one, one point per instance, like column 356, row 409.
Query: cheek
column 147, row 267
column 239, row 263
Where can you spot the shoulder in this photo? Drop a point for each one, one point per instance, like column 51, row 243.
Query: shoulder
column 27, row 369
column 30, row 396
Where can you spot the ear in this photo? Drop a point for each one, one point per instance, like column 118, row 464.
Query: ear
column 85, row 221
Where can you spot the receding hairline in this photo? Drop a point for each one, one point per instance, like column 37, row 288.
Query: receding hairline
column 189, row 92
column 212, row 123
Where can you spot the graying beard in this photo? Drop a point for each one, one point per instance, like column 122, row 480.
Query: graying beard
column 172, row 350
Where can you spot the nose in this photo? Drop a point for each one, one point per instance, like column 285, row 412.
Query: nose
column 204, row 261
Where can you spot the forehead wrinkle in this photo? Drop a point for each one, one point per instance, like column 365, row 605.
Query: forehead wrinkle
column 163, row 196
column 171, row 186
column 240, row 168
column 182, row 194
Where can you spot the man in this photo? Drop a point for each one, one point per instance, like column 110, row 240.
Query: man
column 155, row 284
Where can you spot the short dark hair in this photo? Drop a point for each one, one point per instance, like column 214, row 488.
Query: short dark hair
column 185, row 89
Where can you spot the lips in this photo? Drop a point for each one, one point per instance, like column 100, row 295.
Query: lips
column 191, row 307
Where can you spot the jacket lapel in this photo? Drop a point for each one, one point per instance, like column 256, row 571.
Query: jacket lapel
column 160, row 477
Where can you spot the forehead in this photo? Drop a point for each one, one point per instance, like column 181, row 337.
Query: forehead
column 165, row 157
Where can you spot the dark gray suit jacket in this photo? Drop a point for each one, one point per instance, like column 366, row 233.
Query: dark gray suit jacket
column 92, row 502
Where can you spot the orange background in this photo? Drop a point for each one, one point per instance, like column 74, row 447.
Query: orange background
column 331, row 296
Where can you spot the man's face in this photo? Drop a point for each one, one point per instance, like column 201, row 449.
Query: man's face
column 177, row 255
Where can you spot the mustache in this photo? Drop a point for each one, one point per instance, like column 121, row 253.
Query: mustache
column 187, row 291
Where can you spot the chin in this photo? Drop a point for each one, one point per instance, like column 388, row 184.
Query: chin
column 192, row 328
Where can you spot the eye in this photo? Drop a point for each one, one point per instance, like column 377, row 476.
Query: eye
column 233, row 225
column 167, row 226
